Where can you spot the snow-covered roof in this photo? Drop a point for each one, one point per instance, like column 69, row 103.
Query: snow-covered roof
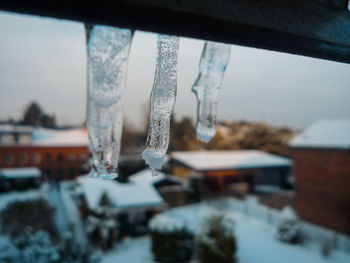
column 122, row 195
column 226, row 160
column 18, row 196
column 51, row 137
column 27, row 172
column 325, row 134
column 145, row 176
column 10, row 128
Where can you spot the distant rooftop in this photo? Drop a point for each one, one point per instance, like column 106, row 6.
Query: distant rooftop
column 26, row 135
column 27, row 172
column 325, row 134
column 51, row 137
column 10, row 128
column 227, row 160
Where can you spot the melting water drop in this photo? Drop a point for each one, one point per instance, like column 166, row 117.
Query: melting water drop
column 163, row 98
column 107, row 51
column 212, row 66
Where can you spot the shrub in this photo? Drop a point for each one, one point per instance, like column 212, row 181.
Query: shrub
column 216, row 240
column 36, row 214
column 288, row 229
column 8, row 251
column 36, row 247
column 171, row 241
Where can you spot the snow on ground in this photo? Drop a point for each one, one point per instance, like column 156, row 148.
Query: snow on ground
column 137, row 250
column 256, row 241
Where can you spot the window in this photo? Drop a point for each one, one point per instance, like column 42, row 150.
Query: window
column 71, row 156
column 7, row 139
column 60, row 158
column 48, row 158
column 59, row 172
column 22, row 159
column 36, row 158
column 9, row 159
column 72, row 171
column 25, row 138
column 83, row 156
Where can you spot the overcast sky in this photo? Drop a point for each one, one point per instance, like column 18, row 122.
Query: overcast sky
column 45, row 60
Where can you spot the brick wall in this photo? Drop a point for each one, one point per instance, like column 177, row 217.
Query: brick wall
column 55, row 163
column 323, row 187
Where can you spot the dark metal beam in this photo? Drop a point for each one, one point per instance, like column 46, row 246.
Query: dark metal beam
column 314, row 28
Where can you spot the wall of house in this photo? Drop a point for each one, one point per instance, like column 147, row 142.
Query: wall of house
column 55, row 163
column 323, row 187
column 181, row 171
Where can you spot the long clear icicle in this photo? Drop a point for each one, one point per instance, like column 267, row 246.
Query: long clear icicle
column 107, row 50
column 163, row 98
column 212, row 66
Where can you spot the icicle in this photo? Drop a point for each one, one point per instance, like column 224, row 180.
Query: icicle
column 212, row 65
column 107, row 50
column 162, row 101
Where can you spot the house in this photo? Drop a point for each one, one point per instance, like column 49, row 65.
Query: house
column 59, row 154
column 174, row 190
column 321, row 155
column 243, row 169
column 131, row 204
column 19, row 178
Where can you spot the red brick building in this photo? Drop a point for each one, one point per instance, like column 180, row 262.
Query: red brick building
column 59, row 154
column 321, row 156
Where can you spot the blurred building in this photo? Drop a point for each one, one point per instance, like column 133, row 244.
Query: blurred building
column 19, row 178
column 129, row 205
column 59, row 154
column 321, row 155
column 240, row 170
column 174, row 190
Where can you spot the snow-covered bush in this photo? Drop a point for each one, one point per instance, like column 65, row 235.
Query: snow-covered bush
column 8, row 251
column 288, row 229
column 36, row 248
column 171, row 241
column 216, row 240
column 36, row 214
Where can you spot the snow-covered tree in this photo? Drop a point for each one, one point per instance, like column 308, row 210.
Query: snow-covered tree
column 288, row 229
column 216, row 240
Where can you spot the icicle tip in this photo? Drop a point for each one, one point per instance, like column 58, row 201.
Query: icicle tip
column 153, row 160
